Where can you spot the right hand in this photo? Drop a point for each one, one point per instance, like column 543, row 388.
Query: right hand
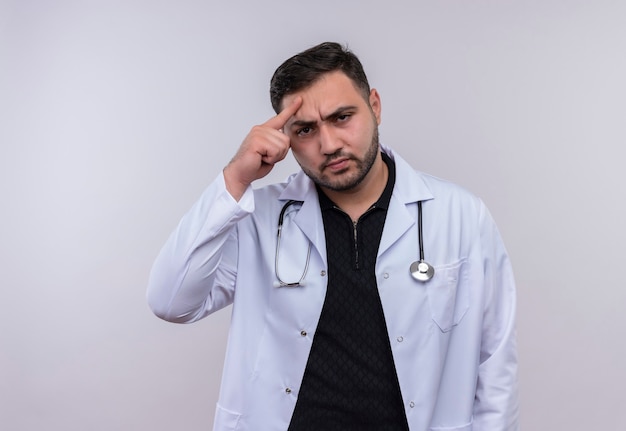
column 265, row 145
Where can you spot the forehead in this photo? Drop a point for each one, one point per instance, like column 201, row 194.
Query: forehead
column 329, row 91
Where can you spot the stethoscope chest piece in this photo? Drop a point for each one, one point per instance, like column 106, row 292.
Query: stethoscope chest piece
column 422, row 271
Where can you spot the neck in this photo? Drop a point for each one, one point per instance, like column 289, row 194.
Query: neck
column 357, row 201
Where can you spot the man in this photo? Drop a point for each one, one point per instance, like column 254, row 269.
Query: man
column 339, row 322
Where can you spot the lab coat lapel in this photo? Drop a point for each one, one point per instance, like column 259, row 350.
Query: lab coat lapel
column 408, row 190
column 309, row 218
column 399, row 220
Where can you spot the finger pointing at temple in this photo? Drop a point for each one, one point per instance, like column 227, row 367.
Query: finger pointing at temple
column 264, row 146
column 279, row 121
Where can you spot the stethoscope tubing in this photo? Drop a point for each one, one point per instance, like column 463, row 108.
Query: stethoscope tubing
column 280, row 282
column 420, row 270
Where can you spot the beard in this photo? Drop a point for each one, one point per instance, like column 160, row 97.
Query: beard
column 347, row 182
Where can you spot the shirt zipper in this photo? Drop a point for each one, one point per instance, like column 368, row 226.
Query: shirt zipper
column 356, row 247
column 355, row 232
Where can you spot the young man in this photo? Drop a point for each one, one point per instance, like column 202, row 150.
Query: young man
column 339, row 322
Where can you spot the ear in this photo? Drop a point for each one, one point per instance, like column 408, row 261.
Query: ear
column 375, row 104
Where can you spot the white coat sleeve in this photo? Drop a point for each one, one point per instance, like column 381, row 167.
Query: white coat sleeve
column 195, row 271
column 496, row 404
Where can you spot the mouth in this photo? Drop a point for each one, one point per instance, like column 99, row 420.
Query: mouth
column 337, row 164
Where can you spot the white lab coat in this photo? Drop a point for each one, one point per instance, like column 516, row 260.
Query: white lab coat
column 453, row 337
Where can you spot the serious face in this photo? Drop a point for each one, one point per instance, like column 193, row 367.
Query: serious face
column 334, row 134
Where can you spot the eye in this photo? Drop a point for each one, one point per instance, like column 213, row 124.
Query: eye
column 304, row 131
column 343, row 117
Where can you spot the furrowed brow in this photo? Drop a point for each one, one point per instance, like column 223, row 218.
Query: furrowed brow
column 332, row 116
column 339, row 112
column 302, row 123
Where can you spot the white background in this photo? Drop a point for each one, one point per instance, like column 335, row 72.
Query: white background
column 114, row 116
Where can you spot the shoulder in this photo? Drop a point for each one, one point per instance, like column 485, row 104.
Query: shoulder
column 413, row 185
column 296, row 186
column 270, row 199
column 443, row 188
column 271, row 192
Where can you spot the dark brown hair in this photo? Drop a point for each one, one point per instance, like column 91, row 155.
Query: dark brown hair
column 304, row 69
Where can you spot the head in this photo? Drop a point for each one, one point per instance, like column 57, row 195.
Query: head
column 334, row 133
column 304, row 69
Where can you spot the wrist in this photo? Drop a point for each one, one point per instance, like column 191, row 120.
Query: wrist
column 235, row 187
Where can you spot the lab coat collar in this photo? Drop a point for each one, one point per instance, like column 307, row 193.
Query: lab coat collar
column 410, row 185
column 410, row 188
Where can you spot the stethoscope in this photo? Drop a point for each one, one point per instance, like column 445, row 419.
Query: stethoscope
column 420, row 270
column 280, row 282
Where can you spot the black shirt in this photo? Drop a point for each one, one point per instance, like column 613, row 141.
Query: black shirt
column 350, row 380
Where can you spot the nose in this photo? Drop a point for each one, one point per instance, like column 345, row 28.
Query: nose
column 329, row 143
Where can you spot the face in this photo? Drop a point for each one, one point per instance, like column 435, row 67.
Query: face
column 334, row 134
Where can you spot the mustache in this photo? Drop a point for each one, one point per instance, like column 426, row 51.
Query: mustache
column 339, row 154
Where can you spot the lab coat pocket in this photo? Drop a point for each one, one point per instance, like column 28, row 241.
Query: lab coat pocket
column 448, row 294
column 225, row 420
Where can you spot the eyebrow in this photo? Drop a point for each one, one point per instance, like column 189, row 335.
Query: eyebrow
column 336, row 113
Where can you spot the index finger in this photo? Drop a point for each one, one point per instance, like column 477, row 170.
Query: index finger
column 279, row 121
